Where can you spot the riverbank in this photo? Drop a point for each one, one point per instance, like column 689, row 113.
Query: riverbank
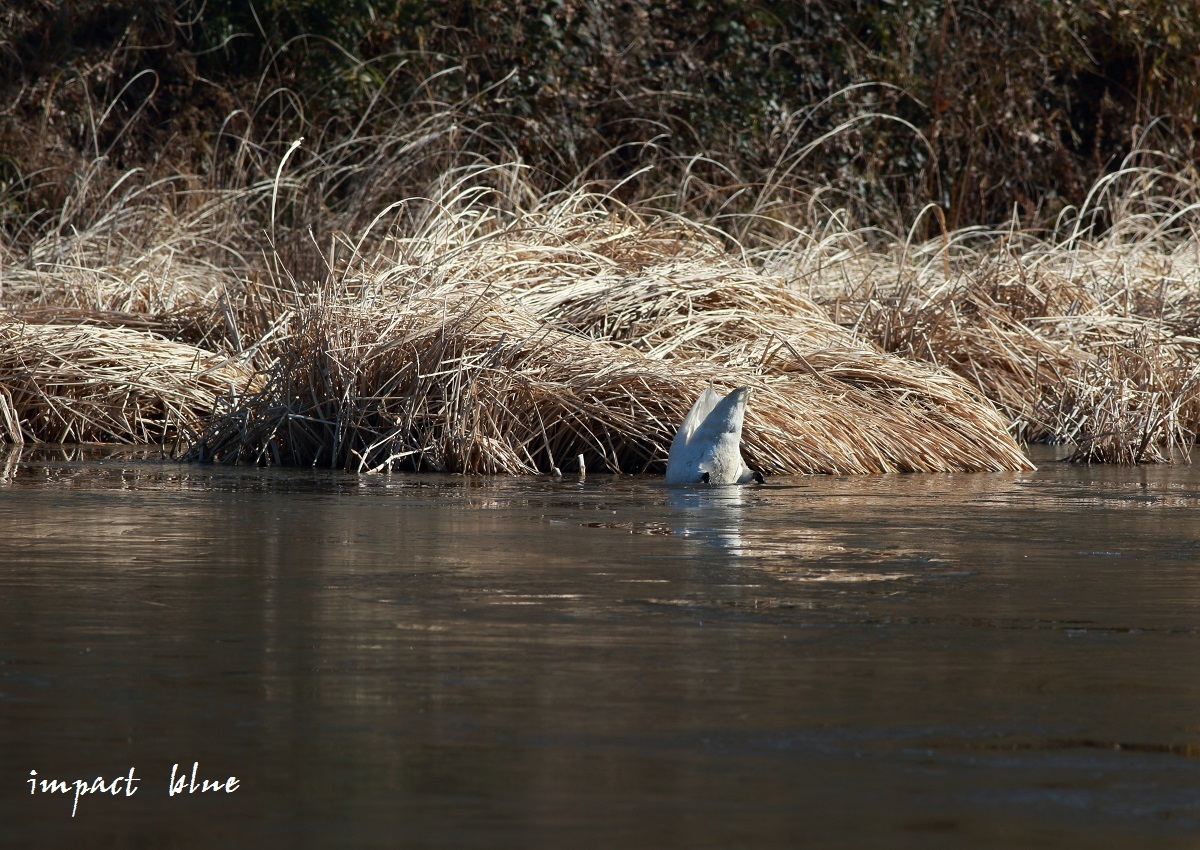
column 486, row 330
column 364, row 272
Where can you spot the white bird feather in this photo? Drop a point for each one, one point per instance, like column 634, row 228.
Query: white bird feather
column 708, row 446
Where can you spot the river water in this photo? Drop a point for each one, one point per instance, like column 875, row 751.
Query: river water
column 988, row 660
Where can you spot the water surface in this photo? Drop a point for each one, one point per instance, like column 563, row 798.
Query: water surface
column 988, row 660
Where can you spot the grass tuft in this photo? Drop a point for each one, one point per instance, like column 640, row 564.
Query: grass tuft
column 492, row 341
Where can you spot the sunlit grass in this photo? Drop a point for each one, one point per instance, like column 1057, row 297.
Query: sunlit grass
column 483, row 324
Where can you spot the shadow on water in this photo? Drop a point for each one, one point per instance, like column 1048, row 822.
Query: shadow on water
column 944, row 660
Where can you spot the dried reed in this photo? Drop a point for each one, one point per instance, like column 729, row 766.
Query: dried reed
column 488, row 343
column 1081, row 339
column 491, row 330
column 83, row 383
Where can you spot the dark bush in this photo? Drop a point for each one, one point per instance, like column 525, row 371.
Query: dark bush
column 980, row 107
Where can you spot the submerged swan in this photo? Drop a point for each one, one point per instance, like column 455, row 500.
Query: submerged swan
column 707, row 449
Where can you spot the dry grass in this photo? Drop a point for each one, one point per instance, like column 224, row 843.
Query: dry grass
column 84, row 383
column 489, row 330
column 483, row 326
column 165, row 256
column 489, row 342
column 1081, row 339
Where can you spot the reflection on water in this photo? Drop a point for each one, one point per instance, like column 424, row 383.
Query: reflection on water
column 712, row 515
column 993, row 660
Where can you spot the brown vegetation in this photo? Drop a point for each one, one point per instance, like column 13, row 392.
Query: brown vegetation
column 411, row 286
column 494, row 343
column 83, row 383
column 1086, row 338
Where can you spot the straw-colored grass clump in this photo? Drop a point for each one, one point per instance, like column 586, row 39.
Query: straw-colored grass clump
column 480, row 336
column 487, row 343
column 485, row 335
column 1081, row 339
column 81, row 383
